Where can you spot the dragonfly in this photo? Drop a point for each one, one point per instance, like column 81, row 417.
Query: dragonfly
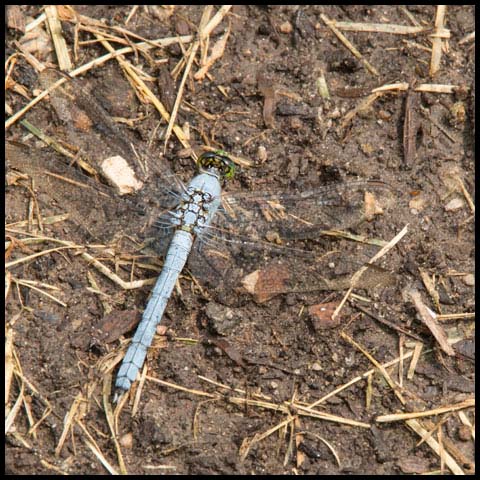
column 194, row 220
column 195, row 212
column 222, row 237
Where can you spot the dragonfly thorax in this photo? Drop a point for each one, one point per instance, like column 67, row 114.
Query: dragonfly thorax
column 199, row 203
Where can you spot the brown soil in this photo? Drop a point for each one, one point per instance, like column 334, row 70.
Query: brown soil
column 275, row 348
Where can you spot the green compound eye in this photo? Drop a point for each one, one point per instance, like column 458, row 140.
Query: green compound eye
column 218, row 159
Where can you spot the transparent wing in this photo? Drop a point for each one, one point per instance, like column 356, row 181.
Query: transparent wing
column 299, row 215
column 86, row 136
column 90, row 130
column 270, row 235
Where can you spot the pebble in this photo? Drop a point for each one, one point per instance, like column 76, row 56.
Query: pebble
column 469, row 279
column 417, row 203
column 316, row 367
column 262, row 153
column 295, row 123
column 222, row 320
column 454, row 204
column 286, row 27
column 126, row 440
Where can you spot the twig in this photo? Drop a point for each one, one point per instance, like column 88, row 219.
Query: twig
column 381, row 368
column 467, row 38
column 435, row 88
column 59, row 43
column 106, row 391
column 217, row 52
column 348, row 44
column 68, row 422
column 410, row 128
column 380, row 28
column 30, row 284
column 429, row 319
column 145, row 90
column 203, row 34
column 395, row 417
column 433, row 444
column 357, row 276
column 437, row 36
column 95, row 63
column 178, row 100
column 39, row 254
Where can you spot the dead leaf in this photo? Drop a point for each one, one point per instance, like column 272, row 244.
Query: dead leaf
column 117, row 323
column 230, row 351
column 267, row 283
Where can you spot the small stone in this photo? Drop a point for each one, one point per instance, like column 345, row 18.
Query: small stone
column 261, row 153
column 321, row 315
column 126, row 440
column 417, row 203
column 286, row 27
column 454, row 204
column 458, row 113
column 317, row 367
column 469, row 279
column 366, row 148
column 222, row 320
column 295, row 123
column 161, row 330
column 384, row 115
column 119, row 172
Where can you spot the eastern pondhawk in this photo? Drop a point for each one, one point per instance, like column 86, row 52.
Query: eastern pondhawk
column 230, row 234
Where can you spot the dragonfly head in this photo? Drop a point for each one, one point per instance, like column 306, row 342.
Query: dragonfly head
column 218, row 160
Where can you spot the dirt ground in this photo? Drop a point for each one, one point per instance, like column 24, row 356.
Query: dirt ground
column 238, row 374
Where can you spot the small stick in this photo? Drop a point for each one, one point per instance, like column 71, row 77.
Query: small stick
column 30, row 284
column 467, row 196
column 365, row 103
column 437, row 39
column 39, row 254
column 348, row 44
column 380, row 367
column 429, row 319
column 178, row 100
column 380, row 28
column 435, row 88
column 395, row 417
column 455, row 316
column 59, row 43
column 467, row 38
column 433, row 444
column 147, row 92
column 95, row 63
column 416, row 356
column 203, row 34
column 410, row 128
column 356, row 277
